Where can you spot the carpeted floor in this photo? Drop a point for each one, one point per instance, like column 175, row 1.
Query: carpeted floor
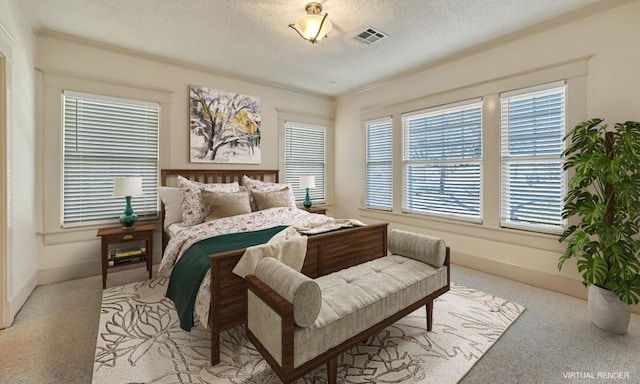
column 53, row 338
column 140, row 340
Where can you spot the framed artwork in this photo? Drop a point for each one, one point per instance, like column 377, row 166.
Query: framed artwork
column 224, row 127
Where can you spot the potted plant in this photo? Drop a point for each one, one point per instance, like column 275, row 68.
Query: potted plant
column 604, row 193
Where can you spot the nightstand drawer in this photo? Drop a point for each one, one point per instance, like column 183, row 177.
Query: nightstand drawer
column 127, row 237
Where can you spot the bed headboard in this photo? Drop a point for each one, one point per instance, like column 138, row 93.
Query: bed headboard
column 168, row 176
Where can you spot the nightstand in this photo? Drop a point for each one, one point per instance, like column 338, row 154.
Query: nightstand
column 125, row 247
column 320, row 211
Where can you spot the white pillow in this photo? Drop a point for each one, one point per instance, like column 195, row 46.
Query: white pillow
column 172, row 202
column 263, row 186
column 193, row 209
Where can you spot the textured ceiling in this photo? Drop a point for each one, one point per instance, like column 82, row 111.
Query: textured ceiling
column 250, row 38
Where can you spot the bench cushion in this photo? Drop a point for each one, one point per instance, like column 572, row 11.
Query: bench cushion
column 359, row 297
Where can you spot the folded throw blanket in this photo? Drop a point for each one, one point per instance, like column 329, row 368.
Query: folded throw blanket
column 329, row 225
column 288, row 246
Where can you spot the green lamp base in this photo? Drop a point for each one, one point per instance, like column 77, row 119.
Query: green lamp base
column 307, row 201
column 128, row 219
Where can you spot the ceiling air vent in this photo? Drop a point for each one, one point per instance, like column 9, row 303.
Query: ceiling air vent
column 370, row 36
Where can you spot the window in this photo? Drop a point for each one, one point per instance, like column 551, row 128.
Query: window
column 305, row 155
column 442, row 156
column 379, row 178
column 532, row 180
column 106, row 137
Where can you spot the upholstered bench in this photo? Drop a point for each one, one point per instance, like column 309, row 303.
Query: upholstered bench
column 298, row 323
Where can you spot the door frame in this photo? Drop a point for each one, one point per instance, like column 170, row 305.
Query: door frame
column 4, row 303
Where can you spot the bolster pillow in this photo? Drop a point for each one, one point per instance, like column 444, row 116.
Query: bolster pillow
column 298, row 289
column 428, row 249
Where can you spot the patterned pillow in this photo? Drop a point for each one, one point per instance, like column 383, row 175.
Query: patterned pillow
column 263, row 186
column 225, row 204
column 193, row 209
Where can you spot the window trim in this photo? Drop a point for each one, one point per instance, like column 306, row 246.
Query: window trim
column 539, row 228
column 146, row 215
column 574, row 71
column 458, row 105
column 317, row 120
column 50, row 173
column 391, row 162
column 323, row 191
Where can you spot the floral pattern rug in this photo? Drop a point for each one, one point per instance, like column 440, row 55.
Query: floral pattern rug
column 140, row 341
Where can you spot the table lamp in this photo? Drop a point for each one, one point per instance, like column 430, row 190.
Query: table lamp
column 127, row 187
column 307, row 182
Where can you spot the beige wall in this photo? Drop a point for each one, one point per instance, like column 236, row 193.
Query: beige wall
column 67, row 64
column 602, row 46
column 606, row 42
column 17, row 45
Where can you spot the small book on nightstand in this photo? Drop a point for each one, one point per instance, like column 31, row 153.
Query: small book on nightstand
column 126, row 255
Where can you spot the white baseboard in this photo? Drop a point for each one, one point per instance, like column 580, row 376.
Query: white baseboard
column 16, row 303
column 538, row 279
column 79, row 271
column 69, row 272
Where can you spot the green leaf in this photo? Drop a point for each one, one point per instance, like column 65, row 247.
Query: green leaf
column 629, row 292
column 593, row 270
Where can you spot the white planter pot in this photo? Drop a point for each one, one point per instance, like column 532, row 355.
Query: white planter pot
column 607, row 311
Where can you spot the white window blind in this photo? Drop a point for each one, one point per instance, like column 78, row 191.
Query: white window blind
column 532, row 180
column 305, row 156
column 442, row 158
column 379, row 177
column 106, row 137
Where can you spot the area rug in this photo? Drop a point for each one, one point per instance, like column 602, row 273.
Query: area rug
column 140, row 341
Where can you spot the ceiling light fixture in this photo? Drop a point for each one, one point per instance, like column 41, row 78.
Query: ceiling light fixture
column 313, row 26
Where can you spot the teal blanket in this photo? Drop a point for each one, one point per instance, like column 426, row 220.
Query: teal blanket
column 191, row 268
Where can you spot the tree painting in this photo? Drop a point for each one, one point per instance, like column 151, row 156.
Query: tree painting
column 224, row 126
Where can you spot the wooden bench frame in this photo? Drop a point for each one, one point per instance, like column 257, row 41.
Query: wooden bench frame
column 280, row 305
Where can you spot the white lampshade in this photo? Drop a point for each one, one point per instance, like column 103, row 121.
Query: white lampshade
column 307, row 181
column 127, row 186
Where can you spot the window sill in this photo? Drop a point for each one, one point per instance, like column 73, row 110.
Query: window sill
column 79, row 234
column 542, row 241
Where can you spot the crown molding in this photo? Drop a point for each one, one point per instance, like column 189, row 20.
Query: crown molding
column 590, row 10
column 45, row 33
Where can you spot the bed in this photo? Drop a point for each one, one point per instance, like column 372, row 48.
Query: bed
column 223, row 292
